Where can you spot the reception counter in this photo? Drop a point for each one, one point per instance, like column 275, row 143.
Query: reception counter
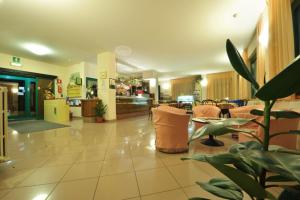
column 57, row 111
column 132, row 106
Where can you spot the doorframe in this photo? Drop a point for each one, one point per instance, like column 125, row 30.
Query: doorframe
column 27, row 81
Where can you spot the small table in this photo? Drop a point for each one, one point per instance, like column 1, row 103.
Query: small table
column 210, row 141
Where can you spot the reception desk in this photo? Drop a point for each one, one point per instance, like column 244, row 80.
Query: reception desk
column 57, row 111
column 132, row 106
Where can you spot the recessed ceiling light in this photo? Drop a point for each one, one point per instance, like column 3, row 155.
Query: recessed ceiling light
column 123, row 51
column 37, row 49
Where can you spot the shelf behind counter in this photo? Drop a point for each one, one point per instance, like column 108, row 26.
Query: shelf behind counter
column 131, row 106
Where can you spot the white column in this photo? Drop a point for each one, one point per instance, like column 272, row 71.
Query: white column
column 107, row 68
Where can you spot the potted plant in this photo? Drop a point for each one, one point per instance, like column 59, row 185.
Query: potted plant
column 254, row 167
column 100, row 111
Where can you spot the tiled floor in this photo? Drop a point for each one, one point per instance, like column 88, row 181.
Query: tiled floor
column 110, row 161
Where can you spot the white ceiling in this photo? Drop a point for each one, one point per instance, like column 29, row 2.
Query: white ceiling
column 174, row 37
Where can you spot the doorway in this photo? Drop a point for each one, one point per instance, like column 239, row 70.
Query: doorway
column 22, row 97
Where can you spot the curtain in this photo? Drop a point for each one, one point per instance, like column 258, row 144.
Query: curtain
column 244, row 87
column 261, row 49
column 222, row 85
column 281, row 36
column 182, row 86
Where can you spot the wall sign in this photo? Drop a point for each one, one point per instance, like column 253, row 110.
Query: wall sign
column 16, row 61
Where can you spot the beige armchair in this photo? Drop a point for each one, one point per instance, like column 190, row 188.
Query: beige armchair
column 171, row 127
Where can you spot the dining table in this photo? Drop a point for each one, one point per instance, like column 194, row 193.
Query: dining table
column 211, row 140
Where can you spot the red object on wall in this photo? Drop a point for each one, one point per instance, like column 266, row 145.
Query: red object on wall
column 59, row 81
column 59, row 89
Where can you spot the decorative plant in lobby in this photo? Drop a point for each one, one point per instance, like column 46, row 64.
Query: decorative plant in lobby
column 100, row 111
column 254, row 167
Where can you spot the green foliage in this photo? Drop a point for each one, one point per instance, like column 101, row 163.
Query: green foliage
column 100, row 109
column 287, row 114
column 220, row 128
column 223, row 188
column 283, row 85
column 246, row 164
column 238, row 64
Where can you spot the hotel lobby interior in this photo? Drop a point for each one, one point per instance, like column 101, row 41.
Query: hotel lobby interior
column 149, row 99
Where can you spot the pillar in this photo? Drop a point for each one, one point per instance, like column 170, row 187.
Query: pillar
column 107, row 69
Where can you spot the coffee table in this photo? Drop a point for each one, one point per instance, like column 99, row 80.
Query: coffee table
column 210, row 141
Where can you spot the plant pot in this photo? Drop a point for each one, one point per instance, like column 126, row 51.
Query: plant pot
column 100, row 120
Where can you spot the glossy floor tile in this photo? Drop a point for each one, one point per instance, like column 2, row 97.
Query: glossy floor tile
column 30, row 193
column 116, row 187
column 109, row 161
column 169, row 195
column 155, row 180
column 75, row 190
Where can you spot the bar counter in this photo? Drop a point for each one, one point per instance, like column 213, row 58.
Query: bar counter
column 132, row 106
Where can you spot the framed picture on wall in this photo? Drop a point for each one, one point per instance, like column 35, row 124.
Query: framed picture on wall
column 91, row 87
column 112, row 83
column 78, row 81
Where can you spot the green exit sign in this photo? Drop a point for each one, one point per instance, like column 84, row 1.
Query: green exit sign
column 16, row 61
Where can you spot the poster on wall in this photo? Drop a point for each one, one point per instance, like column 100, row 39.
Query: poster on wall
column 74, row 89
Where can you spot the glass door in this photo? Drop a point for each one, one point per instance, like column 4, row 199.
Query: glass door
column 22, row 96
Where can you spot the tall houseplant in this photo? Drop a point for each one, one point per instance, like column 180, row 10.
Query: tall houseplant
column 100, row 111
column 247, row 165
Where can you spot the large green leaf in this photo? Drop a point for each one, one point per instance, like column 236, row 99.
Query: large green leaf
column 284, row 164
column 245, row 182
column 278, row 178
column 248, row 166
column 286, row 83
column 223, row 188
column 277, row 148
column 288, row 114
column 238, row 63
column 250, row 145
column 226, row 158
column 219, row 128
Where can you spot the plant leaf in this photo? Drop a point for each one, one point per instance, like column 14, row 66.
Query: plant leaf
column 226, row 158
column 249, row 167
column 286, row 83
column 254, row 145
column 219, row 128
column 277, row 148
column 278, row 178
column 245, row 182
column 238, row 64
column 288, row 114
column 289, row 193
column 284, row 164
column 223, row 188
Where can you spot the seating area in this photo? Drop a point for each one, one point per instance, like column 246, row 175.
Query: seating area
column 149, row 100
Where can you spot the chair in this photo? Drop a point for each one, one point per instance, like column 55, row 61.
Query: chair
column 209, row 102
column 171, row 128
column 150, row 110
column 276, row 126
column 206, row 111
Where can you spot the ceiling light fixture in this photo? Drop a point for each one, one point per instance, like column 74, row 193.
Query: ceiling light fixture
column 204, row 82
column 37, row 49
